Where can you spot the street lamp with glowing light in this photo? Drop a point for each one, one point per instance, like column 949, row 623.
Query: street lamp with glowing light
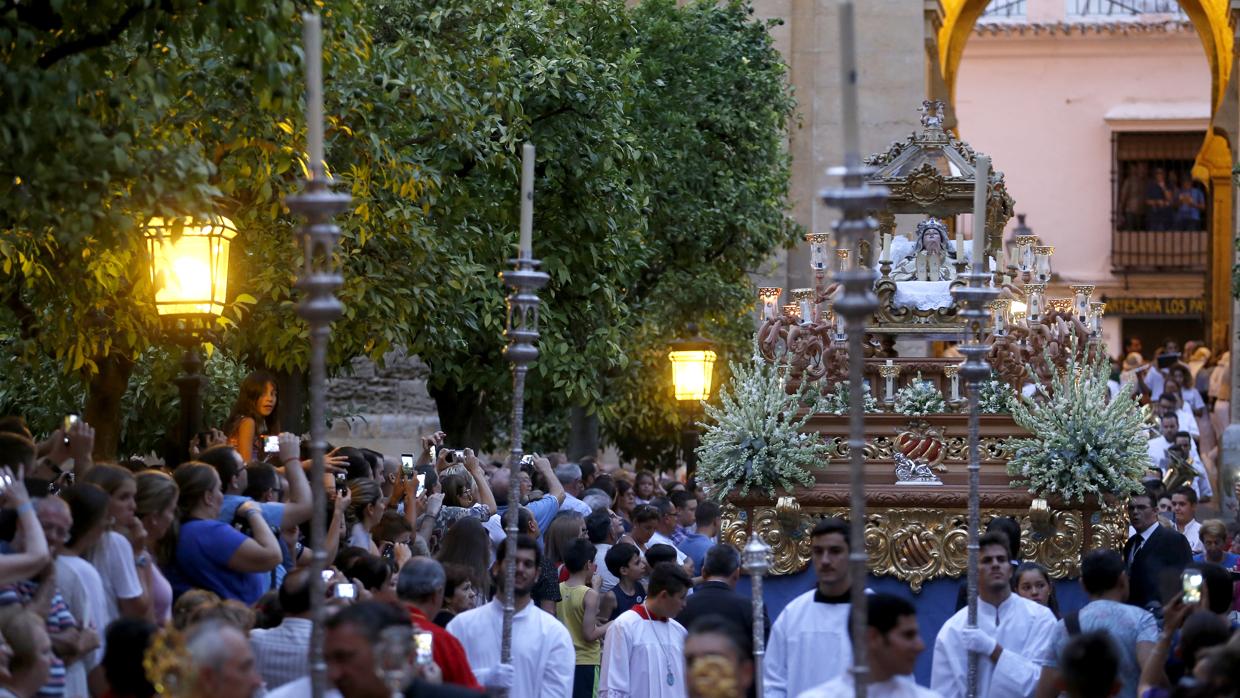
column 693, row 368
column 189, row 276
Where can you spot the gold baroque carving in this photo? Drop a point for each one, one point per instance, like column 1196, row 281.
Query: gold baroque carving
column 917, row 544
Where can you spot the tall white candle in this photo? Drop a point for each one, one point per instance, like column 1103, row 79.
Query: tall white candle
column 959, row 243
column 312, row 40
column 979, row 213
column 848, row 84
column 886, row 249
column 525, row 247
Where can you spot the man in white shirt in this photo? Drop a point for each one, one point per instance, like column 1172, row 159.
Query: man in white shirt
column 1012, row 635
column 643, row 652
column 664, row 527
column 282, row 652
column 1158, row 447
column 569, row 476
column 809, row 642
column 222, row 661
column 543, row 658
column 893, row 642
column 1184, row 509
column 603, row 529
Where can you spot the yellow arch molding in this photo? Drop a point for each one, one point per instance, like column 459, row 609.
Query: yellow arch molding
column 1209, row 17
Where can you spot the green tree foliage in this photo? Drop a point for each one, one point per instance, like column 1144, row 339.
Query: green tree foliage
column 662, row 177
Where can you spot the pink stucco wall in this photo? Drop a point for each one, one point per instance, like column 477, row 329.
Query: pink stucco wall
column 1036, row 104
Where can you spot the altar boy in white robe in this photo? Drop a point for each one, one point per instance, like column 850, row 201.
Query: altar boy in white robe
column 1012, row 635
column 643, row 651
column 543, row 660
column 809, row 642
column 893, row 643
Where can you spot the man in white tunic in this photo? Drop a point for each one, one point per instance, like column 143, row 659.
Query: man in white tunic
column 809, row 641
column 893, row 642
column 543, row 658
column 643, row 652
column 1012, row 635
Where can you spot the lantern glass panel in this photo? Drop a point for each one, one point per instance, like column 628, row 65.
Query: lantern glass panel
column 691, row 373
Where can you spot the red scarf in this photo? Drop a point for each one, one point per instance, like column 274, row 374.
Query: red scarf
column 641, row 610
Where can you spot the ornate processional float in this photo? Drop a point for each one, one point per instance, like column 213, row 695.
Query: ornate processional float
column 1059, row 461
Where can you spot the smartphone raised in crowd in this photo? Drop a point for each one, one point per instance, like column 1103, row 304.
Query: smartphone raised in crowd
column 1191, row 581
column 271, row 444
column 406, row 463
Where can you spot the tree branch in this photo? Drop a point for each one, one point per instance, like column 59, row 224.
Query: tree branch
column 27, row 320
column 89, row 41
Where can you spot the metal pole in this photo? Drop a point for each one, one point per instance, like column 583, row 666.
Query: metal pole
column 522, row 350
column 190, row 387
column 757, row 559
column 319, row 307
column 974, row 301
column 857, row 201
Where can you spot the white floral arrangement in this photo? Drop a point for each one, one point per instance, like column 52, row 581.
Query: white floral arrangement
column 754, row 438
column 919, row 398
column 838, row 401
column 1082, row 444
column 995, row 397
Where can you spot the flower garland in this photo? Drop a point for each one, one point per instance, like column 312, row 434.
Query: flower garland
column 754, row 438
column 919, row 398
column 1082, row 444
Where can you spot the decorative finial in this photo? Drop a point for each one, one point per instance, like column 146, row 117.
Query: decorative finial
column 931, row 113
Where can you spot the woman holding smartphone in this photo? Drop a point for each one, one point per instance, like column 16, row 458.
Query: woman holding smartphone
column 253, row 415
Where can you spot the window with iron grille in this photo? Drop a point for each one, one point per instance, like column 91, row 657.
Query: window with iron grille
column 1159, row 212
column 1004, row 9
column 1123, row 8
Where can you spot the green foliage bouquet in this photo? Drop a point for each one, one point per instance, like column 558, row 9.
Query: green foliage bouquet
column 919, row 398
column 995, row 397
column 838, row 401
column 1082, row 445
column 755, row 439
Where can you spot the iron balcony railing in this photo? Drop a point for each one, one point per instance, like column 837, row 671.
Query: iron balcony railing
column 1159, row 250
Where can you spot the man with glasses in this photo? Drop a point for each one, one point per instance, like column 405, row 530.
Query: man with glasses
column 1153, row 553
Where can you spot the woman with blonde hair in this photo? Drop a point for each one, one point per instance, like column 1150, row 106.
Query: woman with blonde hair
column 120, row 555
column 155, row 505
column 29, row 650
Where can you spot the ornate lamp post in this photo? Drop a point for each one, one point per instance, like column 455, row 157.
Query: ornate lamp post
column 319, row 279
column 189, row 272
column 757, row 562
column 693, row 367
column 522, row 350
column 974, row 301
column 856, row 200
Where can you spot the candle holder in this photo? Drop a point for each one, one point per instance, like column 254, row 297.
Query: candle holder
column 1033, row 292
column 1042, row 262
column 1063, row 306
column 818, row 250
column 757, row 562
column 1080, row 299
column 952, row 373
column 889, row 372
column 1096, row 309
column 769, row 296
column 792, row 311
column 842, row 254
column 806, row 310
column 999, row 310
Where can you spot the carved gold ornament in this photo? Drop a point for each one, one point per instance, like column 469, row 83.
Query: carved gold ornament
column 713, row 676
column 916, row 545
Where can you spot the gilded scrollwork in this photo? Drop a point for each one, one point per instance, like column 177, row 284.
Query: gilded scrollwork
column 919, row 544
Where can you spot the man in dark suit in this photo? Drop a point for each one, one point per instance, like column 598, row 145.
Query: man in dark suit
column 1153, row 554
column 716, row 595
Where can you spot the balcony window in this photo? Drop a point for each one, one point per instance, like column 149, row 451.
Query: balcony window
column 1004, row 9
column 1160, row 214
